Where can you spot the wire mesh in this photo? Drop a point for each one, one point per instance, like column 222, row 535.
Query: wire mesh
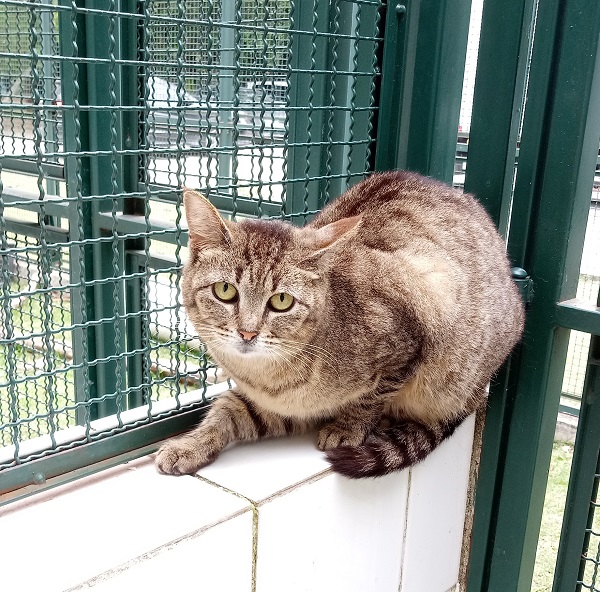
column 589, row 573
column 267, row 107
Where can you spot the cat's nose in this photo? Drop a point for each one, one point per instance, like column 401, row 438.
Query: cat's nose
column 247, row 335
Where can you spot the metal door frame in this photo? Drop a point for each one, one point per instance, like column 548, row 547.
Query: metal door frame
column 557, row 158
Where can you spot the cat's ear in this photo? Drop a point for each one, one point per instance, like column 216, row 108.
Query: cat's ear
column 207, row 228
column 327, row 235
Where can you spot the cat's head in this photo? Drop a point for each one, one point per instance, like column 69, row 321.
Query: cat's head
column 255, row 290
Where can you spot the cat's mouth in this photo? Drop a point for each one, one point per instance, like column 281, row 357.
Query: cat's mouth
column 246, row 348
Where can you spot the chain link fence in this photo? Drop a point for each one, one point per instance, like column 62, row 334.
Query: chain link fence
column 269, row 108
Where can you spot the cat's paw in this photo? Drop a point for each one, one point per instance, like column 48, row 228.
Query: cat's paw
column 182, row 457
column 333, row 435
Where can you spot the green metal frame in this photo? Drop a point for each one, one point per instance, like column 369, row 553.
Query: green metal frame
column 557, row 157
column 583, row 484
column 108, row 451
column 422, row 72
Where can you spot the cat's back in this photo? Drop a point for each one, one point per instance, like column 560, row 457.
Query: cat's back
column 406, row 212
column 409, row 202
column 380, row 190
column 436, row 249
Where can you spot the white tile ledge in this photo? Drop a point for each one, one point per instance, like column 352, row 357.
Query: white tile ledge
column 263, row 514
column 139, row 560
column 79, row 531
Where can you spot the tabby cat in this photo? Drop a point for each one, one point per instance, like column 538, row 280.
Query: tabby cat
column 379, row 323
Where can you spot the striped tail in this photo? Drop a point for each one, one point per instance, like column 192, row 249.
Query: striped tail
column 390, row 448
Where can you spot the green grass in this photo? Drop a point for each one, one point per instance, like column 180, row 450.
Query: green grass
column 556, row 493
column 31, row 395
column 34, row 396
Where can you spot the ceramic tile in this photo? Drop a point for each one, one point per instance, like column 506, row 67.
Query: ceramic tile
column 259, row 469
column 218, row 560
column 326, row 533
column 436, row 511
column 80, row 530
column 333, row 534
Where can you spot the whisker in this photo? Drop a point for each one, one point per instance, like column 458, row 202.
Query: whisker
column 310, row 348
column 290, row 355
column 273, row 355
column 300, row 351
column 300, row 369
column 297, row 355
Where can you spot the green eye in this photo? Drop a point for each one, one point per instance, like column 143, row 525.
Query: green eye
column 224, row 291
column 281, row 301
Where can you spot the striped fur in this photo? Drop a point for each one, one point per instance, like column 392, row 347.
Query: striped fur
column 232, row 418
column 403, row 308
column 388, row 449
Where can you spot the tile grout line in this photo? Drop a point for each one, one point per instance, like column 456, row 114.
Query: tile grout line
column 223, row 488
column 148, row 555
column 257, row 504
column 254, row 506
column 405, row 532
column 289, row 489
column 254, row 547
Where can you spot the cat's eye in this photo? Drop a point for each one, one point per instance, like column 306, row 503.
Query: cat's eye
column 281, row 301
column 224, row 291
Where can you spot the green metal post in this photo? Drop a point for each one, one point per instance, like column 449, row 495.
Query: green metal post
column 226, row 95
column 77, row 173
column 506, row 31
column 497, row 104
column 50, row 129
column 562, row 144
column 110, row 334
column 88, row 36
column 423, row 64
column 307, row 89
column 392, row 104
column 578, row 516
column 339, row 119
column 137, row 367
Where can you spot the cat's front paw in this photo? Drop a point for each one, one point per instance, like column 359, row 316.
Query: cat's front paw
column 334, row 435
column 182, row 457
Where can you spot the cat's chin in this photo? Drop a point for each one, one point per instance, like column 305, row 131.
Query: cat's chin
column 248, row 349
column 246, row 352
column 247, row 359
